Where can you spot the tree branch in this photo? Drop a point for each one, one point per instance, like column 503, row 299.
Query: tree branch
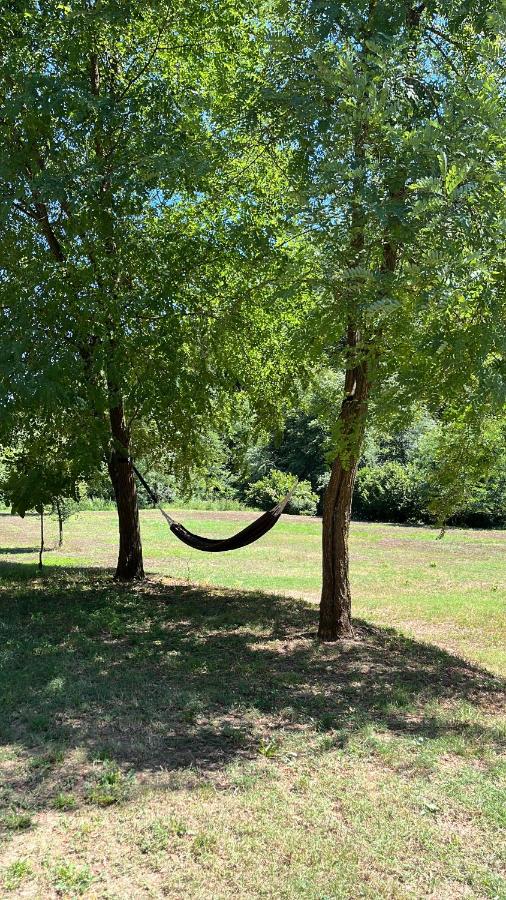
column 145, row 67
column 20, row 207
column 47, row 230
column 448, row 40
column 450, row 62
column 414, row 15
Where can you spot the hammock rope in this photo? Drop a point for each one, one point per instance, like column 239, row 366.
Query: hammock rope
column 248, row 535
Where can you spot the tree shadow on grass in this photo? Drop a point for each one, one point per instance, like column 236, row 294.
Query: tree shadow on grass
column 11, row 551
column 172, row 676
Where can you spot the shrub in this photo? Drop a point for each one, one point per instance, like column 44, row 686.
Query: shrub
column 387, row 493
column 269, row 490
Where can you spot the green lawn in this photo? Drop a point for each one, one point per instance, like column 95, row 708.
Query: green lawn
column 176, row 739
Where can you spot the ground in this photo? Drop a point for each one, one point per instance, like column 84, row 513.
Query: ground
column 188, row 737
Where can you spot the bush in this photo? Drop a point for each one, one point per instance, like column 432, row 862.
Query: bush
column 266, row 492
column 387, row 493
column 163, row 486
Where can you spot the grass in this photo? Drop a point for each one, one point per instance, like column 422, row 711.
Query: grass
column 173, row 739
column 402, row 577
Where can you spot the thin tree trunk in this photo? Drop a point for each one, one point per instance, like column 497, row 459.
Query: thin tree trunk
column 60, row 523
column 41, row 550
column 130, row 564
column 335, row 603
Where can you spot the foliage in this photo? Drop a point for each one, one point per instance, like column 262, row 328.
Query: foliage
column 396, row 121
column 403, row 475
column 199, row 205
column 269, row 490
column 438, row 473
column 306, row 438
column 463, row 469
column 140, row 274
column 386, row 493
column 33, row 481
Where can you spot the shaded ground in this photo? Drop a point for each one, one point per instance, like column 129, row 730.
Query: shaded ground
column 96, row 665
column 168, row 740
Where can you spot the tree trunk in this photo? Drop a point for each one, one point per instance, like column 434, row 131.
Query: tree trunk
column 130, row 564
column 41, row 549
column 60, row 522
column 335, row 604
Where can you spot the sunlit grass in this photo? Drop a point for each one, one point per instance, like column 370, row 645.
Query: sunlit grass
column 453, row 588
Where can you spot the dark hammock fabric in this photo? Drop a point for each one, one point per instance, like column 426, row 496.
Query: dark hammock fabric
column 251, row 533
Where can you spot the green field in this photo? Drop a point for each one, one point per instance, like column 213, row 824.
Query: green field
column 188, row 737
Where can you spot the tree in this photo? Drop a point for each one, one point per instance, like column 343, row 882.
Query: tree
column 479, row 491
column 129, row 268
column 394, row 113
column 38, row 476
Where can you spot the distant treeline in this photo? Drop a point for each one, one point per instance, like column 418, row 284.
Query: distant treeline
column 403, row 477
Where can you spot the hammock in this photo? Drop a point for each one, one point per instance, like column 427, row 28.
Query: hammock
column 251, row 533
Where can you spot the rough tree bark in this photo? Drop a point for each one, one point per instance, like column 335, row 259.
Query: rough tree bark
column 335, row 603
column 130, row 565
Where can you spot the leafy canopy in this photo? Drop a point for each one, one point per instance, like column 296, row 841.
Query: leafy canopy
column 394, row 114
column 136, row 262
